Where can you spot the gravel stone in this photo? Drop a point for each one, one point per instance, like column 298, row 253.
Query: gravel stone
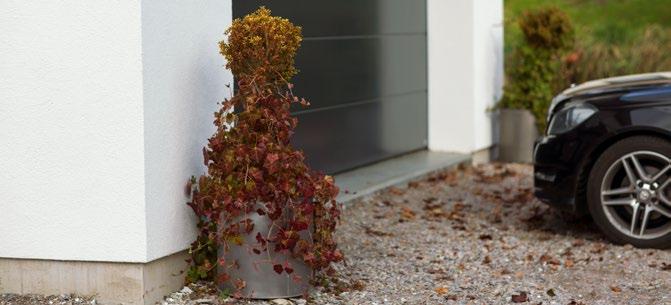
column 186, row 290
column 34, row 299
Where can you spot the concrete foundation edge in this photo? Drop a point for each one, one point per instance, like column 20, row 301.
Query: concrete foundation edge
column 112, row 283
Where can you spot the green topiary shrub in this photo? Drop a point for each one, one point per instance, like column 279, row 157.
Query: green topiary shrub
column 534, row 67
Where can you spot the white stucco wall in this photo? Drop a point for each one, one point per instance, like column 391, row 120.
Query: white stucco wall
column 488, row 68
column 71, row 130
column 465, row 46
column 105, row 108
column 184, row 78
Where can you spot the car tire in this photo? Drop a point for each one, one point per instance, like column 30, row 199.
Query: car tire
column 601, row 212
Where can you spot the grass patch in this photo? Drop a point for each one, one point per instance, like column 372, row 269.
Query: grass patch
column 614, row 22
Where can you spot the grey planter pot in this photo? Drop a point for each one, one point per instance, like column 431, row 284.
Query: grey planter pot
column 261, row 281
column 518, row 132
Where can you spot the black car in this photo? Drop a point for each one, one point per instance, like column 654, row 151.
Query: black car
column 607, row 152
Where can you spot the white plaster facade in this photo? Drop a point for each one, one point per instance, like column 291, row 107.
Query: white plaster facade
column 465, row 45
column 106, row 105
column 183, row 79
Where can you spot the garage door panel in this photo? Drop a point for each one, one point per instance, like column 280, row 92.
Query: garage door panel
column 346, row 137
column 345, row 17
column 363, row 67
column 345, row 71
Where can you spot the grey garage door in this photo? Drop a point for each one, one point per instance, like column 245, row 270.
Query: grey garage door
column 363, row 68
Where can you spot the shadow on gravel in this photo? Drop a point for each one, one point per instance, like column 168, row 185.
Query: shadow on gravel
column 504, row 192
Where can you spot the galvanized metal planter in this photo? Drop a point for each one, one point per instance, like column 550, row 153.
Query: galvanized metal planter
column 261, row 281
column 518, row 132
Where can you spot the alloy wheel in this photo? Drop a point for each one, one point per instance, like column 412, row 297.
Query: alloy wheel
column 635, row 197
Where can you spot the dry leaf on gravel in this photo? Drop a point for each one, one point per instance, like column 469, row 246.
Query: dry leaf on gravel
column 441, row 290
column 547, row 259
column 520, row 298
column 407, row 213
column 450, row 177
column 499, row 173
column 598, row 248
column 457, row 212
column 396, row 191
column 374, row 232
column 429, row 199
column 485, row 237
column 495, row 214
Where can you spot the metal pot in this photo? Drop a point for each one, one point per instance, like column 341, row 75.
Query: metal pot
column 517, row 135
column 261, row 280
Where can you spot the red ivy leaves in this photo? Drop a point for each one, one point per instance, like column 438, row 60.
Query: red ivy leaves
column 299, row 225
column 271, row 164
column 286, row 268
column 271, row 159
column 278, row 268
column 260, row 239
column 251, row 165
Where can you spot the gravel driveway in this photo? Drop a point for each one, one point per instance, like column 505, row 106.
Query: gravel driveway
column 477, row 236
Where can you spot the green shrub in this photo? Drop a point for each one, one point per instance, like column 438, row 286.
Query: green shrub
column 547, row 28
column 594, row 60
column 533, row 68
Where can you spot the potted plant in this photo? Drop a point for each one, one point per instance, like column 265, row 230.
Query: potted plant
column 267, row 216
column 531, row 75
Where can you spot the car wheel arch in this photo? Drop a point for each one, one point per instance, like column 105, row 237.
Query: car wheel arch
column 588, row 162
